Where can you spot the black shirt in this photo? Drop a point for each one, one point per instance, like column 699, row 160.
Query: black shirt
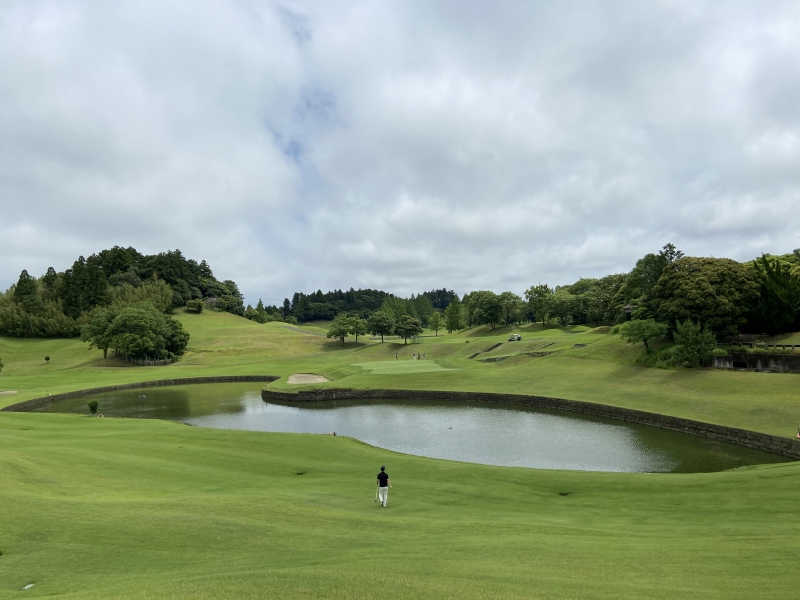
column 383, row 477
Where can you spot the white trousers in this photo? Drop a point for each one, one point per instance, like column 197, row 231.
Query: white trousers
column 383, row 495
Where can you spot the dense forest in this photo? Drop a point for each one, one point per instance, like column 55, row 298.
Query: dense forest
column 361, row 303
column 61, row 304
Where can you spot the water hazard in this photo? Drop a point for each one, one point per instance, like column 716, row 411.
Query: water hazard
column 481, row 433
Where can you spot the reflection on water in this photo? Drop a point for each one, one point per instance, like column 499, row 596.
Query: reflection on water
column 481, row 433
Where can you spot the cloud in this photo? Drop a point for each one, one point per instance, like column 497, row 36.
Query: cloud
column 403, row 146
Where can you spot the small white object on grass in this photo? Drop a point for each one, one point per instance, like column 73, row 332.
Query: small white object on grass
column 27, row 587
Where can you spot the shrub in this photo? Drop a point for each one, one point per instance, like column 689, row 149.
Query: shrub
column 695, row 344
column 665, row 358
column 47, row 359
column 195, row 306
column 642, row 331
column 93, row 404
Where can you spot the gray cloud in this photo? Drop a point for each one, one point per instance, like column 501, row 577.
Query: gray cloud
column 304, row 145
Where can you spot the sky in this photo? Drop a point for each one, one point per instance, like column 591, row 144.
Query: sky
column 402, row 146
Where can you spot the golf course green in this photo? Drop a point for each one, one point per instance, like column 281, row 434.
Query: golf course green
column 129, row 508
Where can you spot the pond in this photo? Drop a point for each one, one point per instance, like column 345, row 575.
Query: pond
column 489, row 434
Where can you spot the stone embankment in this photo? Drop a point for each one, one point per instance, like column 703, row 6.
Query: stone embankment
column 757, row 361
column 741, row 437
column 23, row 406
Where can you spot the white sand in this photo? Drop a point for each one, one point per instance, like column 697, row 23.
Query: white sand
column 306, row 378
column 9, row 393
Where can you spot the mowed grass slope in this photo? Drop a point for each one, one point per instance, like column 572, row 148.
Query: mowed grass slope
column 604, row 371
column 114, row 508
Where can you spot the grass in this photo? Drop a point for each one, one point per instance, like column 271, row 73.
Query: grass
column 114, row 508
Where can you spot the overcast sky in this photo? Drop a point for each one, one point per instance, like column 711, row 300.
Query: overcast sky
column 400, row 145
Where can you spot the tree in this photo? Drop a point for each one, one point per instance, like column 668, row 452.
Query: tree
column 1, row 364
column 435, row 322
column 155, row 291
column 511, row 306
column 639, row 283
column 452, row 315
column 484, row 308
column 93, row 404
column 537, row 296
column 339, row 327
column 138, row 332
column 380, row 323
column 97, row 331
column 408, row 327
column 358, row 327
column 642, row 331
column 560, row 304
column 695, row 344
column 778, row 304
column 26, row 293
column 716, row 292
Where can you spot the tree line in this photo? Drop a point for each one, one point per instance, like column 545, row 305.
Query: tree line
column 362, row 303
column 665, row 294
column 117, row 299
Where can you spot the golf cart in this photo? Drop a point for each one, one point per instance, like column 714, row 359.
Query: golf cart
column 515, row 337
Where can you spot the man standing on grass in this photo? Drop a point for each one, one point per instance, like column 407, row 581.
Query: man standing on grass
column 383, row 485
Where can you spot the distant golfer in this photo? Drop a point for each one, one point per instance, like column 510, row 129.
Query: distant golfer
column 383, row 486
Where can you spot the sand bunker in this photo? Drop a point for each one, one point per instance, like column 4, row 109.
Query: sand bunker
column 9, row 393
column 306, row 378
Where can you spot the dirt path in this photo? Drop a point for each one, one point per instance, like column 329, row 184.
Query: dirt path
column 306, row 378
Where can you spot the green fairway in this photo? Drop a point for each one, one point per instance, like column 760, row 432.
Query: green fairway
column 388, row 367
column 106, row 508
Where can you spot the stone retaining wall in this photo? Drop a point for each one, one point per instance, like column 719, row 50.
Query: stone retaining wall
column 23, row 406
column 755, row 361
column 741, row 437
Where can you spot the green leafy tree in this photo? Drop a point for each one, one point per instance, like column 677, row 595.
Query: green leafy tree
column 93, row 405
column 484, row 308
column 358, row 327
column 408, row 327
column 97, row 332
column 511, row 306
column 778, row 305
column 452, row 315
column 642, row 331
column 339, row 328
column 537, row 297
column 381, row 323
column 695, row 344
column 155, row 291
column 716, row 292
column 435, row 322
column 143, row 332
column 561, row 305
column 643, row 278
column 26, row 293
